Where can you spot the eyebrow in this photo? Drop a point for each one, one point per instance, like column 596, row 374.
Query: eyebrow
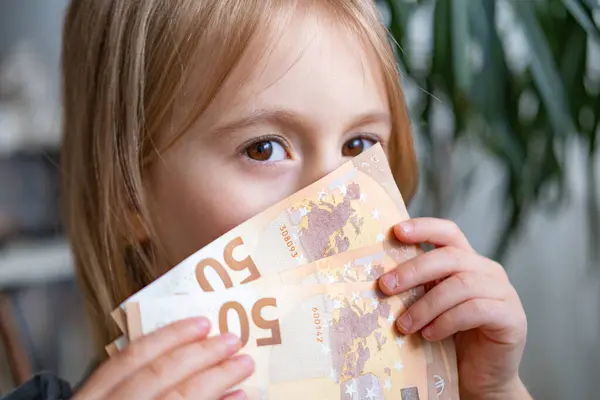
column 295, row 121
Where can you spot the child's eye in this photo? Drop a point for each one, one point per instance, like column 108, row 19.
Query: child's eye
column 266, row 150
column 357, row 145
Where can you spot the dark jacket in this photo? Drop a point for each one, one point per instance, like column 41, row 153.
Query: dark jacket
column 43, row 386
column 47, row 386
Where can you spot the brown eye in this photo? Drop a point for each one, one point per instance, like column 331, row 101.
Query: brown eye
column 354, row 147
column 266, row 150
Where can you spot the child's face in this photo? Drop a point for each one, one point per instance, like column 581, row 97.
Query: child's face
column 311, row 104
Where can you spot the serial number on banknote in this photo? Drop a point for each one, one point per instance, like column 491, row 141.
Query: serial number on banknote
column 317, row 322
column 285, row 234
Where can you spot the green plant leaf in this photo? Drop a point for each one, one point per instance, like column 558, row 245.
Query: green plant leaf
column 442, row 46
column 487, row 100
column 490, row 93
column 544, row 71
column 461, row 41
column 577, row 9
column 592, row 4
column 443, row 74
column 400, row 13
column 573, row 68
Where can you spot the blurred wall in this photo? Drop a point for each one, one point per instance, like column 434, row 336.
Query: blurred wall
column 36, row 21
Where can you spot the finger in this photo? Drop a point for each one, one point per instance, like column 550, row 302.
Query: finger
column 235, row 395
column 139, row 353
column 168, row 370
column 428, row 267
column 490, row 314
column 216, row 381
column 451, row 292
column 439, row 232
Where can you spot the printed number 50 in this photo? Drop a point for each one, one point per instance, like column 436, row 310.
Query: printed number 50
column 259, row 321
column 231, row 262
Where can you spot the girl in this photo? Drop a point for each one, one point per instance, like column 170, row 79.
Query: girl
column 183, row 118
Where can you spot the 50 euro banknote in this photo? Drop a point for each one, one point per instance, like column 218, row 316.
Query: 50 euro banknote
column 321, row 330
column 353, row 206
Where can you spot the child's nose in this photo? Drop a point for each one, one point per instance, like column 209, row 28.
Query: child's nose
column 317, row 166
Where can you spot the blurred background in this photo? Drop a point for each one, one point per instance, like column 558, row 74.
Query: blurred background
column 505, row 103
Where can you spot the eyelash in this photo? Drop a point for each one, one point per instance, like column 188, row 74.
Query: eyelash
column 284, row 143
column 266, row 138
column 368, row 136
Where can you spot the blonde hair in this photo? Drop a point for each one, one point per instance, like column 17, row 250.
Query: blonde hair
column 124, row 64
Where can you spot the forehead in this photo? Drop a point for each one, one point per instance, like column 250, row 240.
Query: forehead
column 310, row 64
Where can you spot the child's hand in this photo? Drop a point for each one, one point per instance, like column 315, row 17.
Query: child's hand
column 474, row 299
column 175, row 362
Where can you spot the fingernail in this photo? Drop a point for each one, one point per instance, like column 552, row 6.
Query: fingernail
column 390, row 281
column 246, row 362
column 230, row 339
column 237, row 395
column 202, row 324
column 407, row 227
column 404, row 322
column 428, row 332
column 241, row 395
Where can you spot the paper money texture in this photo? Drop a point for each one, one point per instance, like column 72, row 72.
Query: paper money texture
column 297, row 283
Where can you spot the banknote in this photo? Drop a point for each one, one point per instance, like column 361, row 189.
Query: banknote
column 368, row 264
column 321, row 328
column 116, row 346
column 321, row 340
column 353, row 206
column 343, row 222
